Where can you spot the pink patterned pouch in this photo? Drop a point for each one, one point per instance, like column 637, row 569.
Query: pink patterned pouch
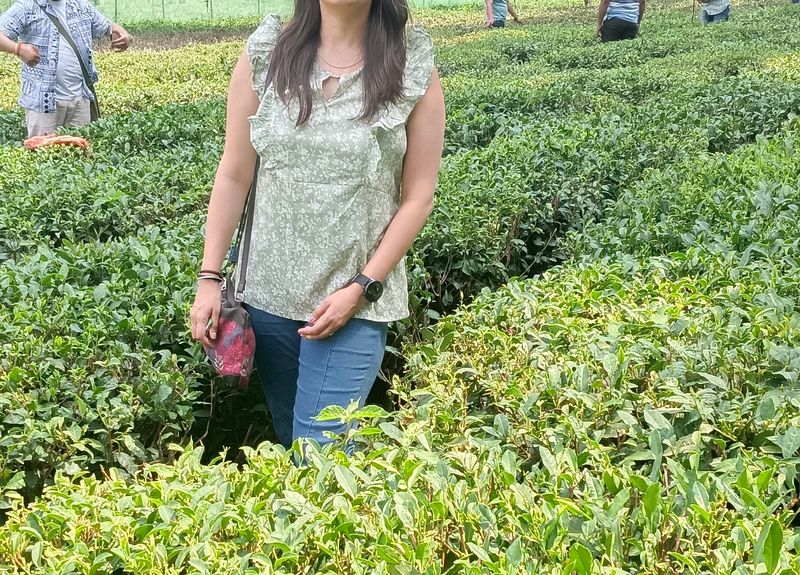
column 234, row 348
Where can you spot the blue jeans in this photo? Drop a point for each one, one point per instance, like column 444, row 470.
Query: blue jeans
column 721, row 17
column 300, row 376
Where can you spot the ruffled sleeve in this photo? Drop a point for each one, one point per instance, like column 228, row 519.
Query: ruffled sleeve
column 259, row 49
column 416, row 78
column 419, row 64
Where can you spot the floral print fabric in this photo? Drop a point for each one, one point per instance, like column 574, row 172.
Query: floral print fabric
column 328, row 189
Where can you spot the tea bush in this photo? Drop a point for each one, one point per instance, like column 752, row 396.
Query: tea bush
column 746, row 202
column 601, row 418
column 142, row 79
column 91, row 371
column 83, row 257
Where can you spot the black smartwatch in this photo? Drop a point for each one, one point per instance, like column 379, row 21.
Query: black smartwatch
column 373, row 289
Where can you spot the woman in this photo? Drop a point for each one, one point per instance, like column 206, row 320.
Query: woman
column 344, row 108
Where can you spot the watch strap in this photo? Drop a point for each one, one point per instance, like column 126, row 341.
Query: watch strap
column 362, row 280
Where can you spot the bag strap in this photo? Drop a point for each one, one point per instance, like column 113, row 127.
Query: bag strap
column 65, row 34
column 245, row 232
column 246, row 223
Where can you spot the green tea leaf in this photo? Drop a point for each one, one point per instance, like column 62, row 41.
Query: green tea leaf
column 582, row 560
column 514, row 553
column 346, row 480
column 509, row 463
column 479, row 551
column 656, row 420
column 789, row 442
column 766, row 409
column 332, row 413
column 405, row 506
column 549, row 461
column 768, row 547
column 36, row 553
column 714, row 380
column 651, row 498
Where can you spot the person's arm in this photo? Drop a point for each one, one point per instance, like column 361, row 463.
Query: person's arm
column 601, row 15
column 12, row 23
column 232, row 182
column 425, row 133
column 513, row 12
column 102, row 27
column 488, row 19
column 641, row 11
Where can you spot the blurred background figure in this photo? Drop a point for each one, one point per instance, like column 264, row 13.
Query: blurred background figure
column 497, row 11
column 58, row 72
column 714, row 11
column 619, row 19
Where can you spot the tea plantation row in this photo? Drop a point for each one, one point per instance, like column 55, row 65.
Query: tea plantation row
column 631, row 414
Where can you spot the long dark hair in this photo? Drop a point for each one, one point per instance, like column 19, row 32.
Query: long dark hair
column 384, row 56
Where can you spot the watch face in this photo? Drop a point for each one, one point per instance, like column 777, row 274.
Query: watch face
column 374, row 291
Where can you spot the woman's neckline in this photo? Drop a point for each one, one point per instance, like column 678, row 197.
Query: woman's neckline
column 325, row 73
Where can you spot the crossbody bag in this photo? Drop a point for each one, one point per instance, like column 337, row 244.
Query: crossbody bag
column 94, row 105
column 233, row 350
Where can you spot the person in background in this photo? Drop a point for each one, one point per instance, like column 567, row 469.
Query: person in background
column 497, row 11
column 619, row 19
column 713, row 11
column 54, row 93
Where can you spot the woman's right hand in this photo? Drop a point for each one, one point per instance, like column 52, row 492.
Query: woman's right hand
column 207, row 303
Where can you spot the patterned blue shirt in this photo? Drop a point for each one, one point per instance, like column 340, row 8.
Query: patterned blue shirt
column 25, row 22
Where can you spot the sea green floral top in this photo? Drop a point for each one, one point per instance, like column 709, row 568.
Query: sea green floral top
column 328, row 189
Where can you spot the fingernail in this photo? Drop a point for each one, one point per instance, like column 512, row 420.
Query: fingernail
column 213, row 334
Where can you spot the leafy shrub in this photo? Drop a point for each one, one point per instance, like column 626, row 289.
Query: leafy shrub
column 143, row 79
column 628, row 387
column 93, row 363
column 745, row 202
column 12, row 127
column 503, row 211
column 595, row 417
column 115, row 200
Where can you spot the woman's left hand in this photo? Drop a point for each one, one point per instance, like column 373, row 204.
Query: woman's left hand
column 333, row 313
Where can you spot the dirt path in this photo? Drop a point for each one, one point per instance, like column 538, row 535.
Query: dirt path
column 169, row 40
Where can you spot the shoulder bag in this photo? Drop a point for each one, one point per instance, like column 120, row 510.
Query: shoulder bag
column 94, row 105
column 234, row 348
